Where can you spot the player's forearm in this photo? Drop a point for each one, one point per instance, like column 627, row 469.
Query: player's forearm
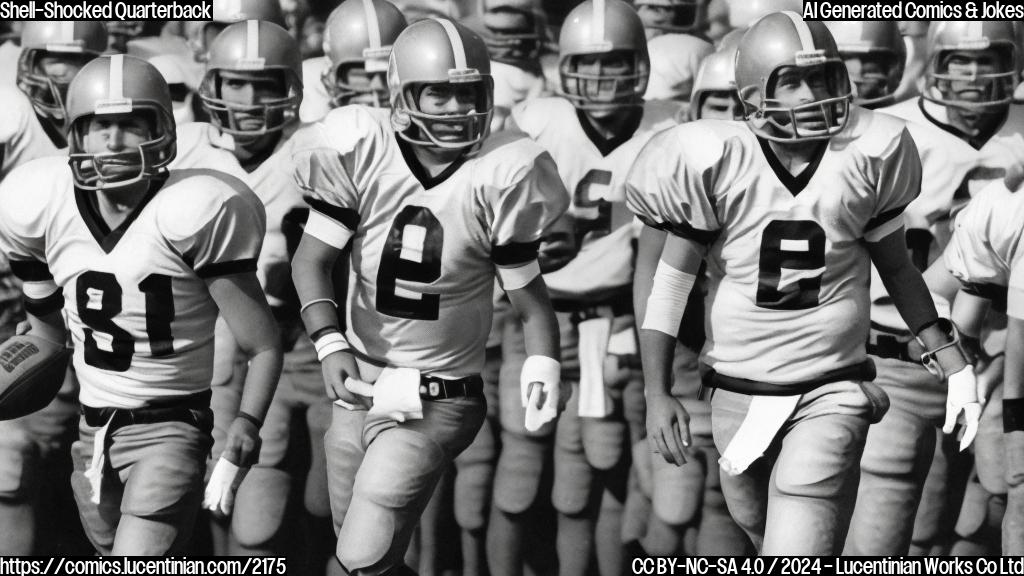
column 311, row 273
column 902, row 280
column 656, row 350
column 540, row 327
column 1013, row 369
column 261, row 382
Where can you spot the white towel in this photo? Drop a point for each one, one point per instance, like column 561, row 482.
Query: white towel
column 396, row 394
column 593, row 348
column 764, row 419
column 99, row 461
column 220, row 490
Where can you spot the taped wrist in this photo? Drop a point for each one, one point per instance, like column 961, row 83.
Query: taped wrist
column 929, row 358
column 328, row 343
column 536, row 368
column 1013, row 414
column 667, row 302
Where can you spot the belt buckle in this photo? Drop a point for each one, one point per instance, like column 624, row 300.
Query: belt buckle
column 434, row 388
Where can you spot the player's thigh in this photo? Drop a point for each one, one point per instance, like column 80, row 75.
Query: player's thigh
column 344, row 451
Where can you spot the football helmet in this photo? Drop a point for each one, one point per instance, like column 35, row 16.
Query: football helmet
column 262, row 49
column 782, row 40
column 38, row 39
column 225, row 13
column 359, row 35
column 717, row 76
column 603, row 27
column 119, row 84
column 674, row 16
column 996, row 88
column 439, row 51
column 880, row 41
column 512, row 29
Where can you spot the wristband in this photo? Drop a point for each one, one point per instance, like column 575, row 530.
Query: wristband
column 329, row 344
column 667, row 301
column 536, row 368
column 929, row 359
column 317, row 301
column 246, row 416
column 1013, row 414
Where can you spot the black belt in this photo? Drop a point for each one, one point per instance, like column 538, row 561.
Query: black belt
column 180, row 409
column 434, row 388
column 887, row 346
column 864, row 371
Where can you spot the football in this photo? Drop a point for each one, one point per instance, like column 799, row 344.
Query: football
column 31, row 373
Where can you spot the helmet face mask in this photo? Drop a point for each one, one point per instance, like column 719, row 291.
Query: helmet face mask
column 598, row 82
column 973, row 80
column 453, row 130
column 350, row 83
column 781, row 118
column 973, row 67
column 876, row 76
column 94, row 95
column 258, row 54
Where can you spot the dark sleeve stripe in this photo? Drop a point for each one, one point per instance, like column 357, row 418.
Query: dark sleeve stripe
column 227, row 268
column 993, row 292
column 31, row 270
column 884, row 217
column 348, row 217
column 40, row 307
column 683, row 230
column 514, row 253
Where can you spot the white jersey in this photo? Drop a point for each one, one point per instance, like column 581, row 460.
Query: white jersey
column 594, row 170
column 424, row 249
column 999, row 152
column 786, row 256
column 135, row 298
column 10, row 53
column 985, row 252
column 22, row 136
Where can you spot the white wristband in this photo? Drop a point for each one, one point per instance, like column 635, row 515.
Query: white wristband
column 329, row 344
column 536, row 368
column 667, row 302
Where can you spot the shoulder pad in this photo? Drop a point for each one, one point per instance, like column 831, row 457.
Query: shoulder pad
column 192, row 197
column 703, row 142
column 346, row 128
column 874, row 134
column 14, row 113
column 505, row 158
column 533, row 116
column 31, row 189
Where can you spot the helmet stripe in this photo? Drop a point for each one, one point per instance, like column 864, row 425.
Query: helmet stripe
column 458, row 50
column 116, row 79
column 598, row 27
column 372, row 24
column 252, row 40
column 803, row 31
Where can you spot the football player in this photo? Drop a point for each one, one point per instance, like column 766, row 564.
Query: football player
column 141, row 259
column 594, row 131
column 252, row 91
column 10, row 34
column 226, row 12
column 972, row 70
column 357, row 44
column 514, row 31
column 789, row 222
column 675, row 31
column 432, row 208
column 984, row 255
column 688, row 509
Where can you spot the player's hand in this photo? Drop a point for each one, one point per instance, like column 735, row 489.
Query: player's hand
column 336, row 368
column 668, row 427
column 962, row 396
column 242, row 447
